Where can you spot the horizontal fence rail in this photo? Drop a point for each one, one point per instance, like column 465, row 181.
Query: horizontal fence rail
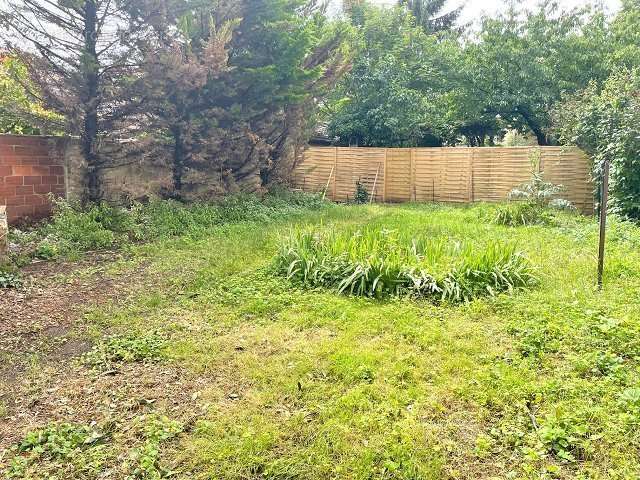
column 456, row 174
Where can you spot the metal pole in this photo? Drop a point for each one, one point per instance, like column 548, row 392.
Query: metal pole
column 603, row 221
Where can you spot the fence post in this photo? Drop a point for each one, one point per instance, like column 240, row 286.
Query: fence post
column 470, row 180
column 335, row 174
column 384, row 183
column 412, row 193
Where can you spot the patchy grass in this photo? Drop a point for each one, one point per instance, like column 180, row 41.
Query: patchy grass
column 110, row 351
column 306, row 383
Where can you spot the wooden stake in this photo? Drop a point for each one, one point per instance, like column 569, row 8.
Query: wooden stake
column 375, row 181
column 324, row 193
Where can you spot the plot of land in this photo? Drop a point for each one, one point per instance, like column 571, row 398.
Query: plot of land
column 196, row 360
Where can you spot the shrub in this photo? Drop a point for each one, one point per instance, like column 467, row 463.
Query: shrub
column 74, row 229
column 378, row 263
column 528, row 202
column 604, row 120
column 98, row 227
column 514, row 214
column 361, row 195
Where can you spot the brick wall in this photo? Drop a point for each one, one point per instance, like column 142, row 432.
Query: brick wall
column 30, row 168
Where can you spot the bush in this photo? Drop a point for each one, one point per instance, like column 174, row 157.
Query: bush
column 514, row 214
column 529, row 201
column 604, row 120
column 73, row 229
column 378, row 263
column 361, row 196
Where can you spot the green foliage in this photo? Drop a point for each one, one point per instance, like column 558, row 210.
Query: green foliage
column 377, row 263
column 410, row 88
column 58, row 442
column 127, row 349
column 361, row 195
column 399, row 91
column 145, row 459
column 97, row 227
column 9, row 277
column 605, row 122
column 74, row 229
column 18, row 112
column 304, row 383
column 564, row 437
column 430, row 14
column 83, row 451
column 536, row 191
column 529, row 202
column 520, row 65
column 514, row 214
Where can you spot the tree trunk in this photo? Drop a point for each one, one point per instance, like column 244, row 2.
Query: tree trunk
column 91, row 80
column 178, row 161
column 541, row 137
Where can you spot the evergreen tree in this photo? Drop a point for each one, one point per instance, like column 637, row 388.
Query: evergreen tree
column 430, row 14
column 77, row 65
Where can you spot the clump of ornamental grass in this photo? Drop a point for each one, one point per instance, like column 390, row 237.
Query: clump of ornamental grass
column 378, row 263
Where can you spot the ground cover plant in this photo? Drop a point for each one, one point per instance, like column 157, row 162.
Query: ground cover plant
column 376, row 262
column 74, row 229
column 269, row 380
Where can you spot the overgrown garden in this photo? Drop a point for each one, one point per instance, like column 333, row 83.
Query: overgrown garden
column 231, row 328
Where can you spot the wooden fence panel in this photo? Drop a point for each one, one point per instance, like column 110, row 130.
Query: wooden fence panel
column 443, row 174
column 397, row 184
column 358, row 164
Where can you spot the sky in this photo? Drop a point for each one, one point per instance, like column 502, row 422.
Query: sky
column 474, row 8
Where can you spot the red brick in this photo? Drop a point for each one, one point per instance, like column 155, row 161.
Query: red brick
column 31, row 150
column 41, row 170
column 60, row 180
column 27, row 161
column 58, row 190
column 22, row 140
column 7, row 190
column 5, row 171
column 34, row 200
column 6, row 150
column 16, row 200
column 32, row 180
column 24, row 190
column 50, row 180
column 56, row 170
column 42, row 189
column 14, row 180
column 22, row 170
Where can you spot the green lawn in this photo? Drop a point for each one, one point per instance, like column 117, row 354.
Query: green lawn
column 286, row 383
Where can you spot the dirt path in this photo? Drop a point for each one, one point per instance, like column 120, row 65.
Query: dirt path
column 41, row 331
column 54, row 297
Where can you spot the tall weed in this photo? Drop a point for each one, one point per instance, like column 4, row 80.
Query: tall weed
column 377, row 263
column 74, row 229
